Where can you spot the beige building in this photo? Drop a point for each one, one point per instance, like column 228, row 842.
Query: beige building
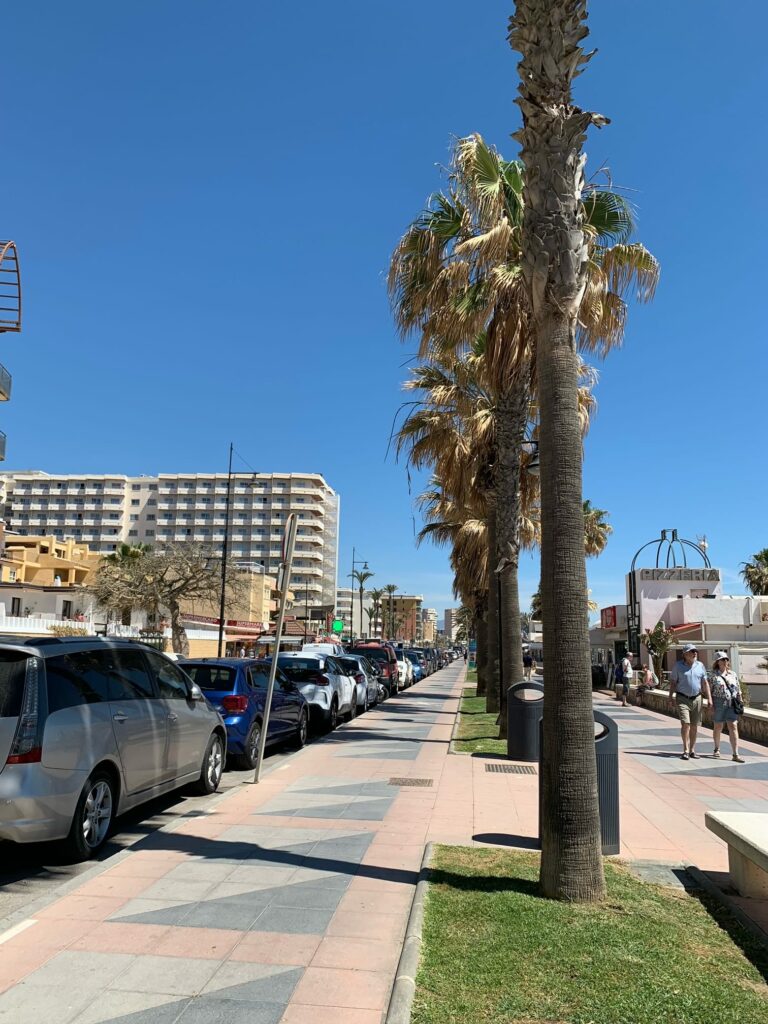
column 429, row 625
column 47, row 561
column 407, row 615
column 451, row 625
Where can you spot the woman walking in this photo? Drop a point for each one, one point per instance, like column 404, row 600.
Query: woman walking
column 726, row 692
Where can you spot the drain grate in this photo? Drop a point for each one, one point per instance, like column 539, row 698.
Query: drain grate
column 512, row 769
column 410, row 782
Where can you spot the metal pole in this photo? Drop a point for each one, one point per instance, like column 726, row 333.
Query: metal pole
column 224, row 549
column 289, row 540
column 306, row 611
column 352, row 599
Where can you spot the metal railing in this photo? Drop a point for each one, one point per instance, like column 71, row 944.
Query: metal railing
column 2, row 446
column 5, row 384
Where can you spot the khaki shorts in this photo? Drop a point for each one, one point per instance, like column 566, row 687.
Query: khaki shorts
column 689, row 709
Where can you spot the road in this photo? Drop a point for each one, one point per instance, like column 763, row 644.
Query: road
column 31, row 871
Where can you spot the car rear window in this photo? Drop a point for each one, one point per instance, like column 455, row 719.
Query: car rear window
column 376, row 654
column 211, row 677
column 350, row 663
column 301, row 670
column 13, row 667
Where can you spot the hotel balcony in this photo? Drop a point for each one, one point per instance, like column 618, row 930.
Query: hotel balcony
column 2, row 446
column 5, row 384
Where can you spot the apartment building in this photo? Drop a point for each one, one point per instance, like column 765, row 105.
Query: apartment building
column 348, row 609
column 407, row 616
column 429, row 625
column 104, row 511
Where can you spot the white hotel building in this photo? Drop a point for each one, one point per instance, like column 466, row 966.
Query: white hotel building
column 104, row 511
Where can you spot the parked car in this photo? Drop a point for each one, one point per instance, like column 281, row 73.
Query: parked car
column 366, row 680
column 418, row 663
column 237, row 688
column 329, row 691
column 405, row 670
column 90, row 728
column 386, row 659
column 328, row 648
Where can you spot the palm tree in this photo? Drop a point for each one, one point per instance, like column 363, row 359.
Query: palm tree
column 547, row 33
column 391, row 589
column 376, row 596
column 755, row 573
column 596, row 529
column 361, row 576
column 125, row 553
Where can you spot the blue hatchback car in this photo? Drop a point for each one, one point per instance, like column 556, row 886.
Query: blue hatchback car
column 237, row 688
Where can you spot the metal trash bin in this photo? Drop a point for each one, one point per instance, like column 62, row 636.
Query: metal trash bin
column 525, row 702
column 607, row 756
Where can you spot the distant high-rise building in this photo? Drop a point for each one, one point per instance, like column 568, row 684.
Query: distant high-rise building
column 450, row 623
column 429, row 625
column 106, row 510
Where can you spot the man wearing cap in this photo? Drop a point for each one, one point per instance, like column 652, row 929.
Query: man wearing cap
column 688, row 685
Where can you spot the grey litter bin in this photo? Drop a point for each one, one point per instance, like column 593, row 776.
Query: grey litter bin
column 524, row 707
column 607, row 756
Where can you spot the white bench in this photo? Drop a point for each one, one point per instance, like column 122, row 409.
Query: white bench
column 747, row 837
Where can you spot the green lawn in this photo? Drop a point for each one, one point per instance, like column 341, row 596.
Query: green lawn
column 478, row 731
column 494, row 952
column 471, row 675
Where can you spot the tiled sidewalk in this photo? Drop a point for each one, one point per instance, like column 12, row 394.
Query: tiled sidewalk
column 287, row 902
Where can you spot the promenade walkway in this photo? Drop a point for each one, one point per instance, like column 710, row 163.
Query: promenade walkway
column 287, row 902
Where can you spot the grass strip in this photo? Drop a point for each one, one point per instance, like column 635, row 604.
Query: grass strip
column 478, row 731
column 495, row 952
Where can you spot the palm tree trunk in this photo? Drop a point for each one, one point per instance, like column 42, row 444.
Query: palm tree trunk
column 548, row 33
column 511, row 418
column 179, row 637
column 492, row 689
column 481, row 654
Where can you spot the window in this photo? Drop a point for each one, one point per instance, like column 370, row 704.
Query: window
column 13, row 670
column 135, row 502
column 172, row 682
column 151, row 516
column 135, row 487
column 152, row 501
column 212, row 677
column 15, row 606
column 12, row 575
column 130, row 678
column 77, row 679
column 133, row 533
column 133, row 518
column 66, row 609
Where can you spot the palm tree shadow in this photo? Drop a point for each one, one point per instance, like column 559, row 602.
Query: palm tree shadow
column 508, row 839
column 484, row 883
column 753, row 948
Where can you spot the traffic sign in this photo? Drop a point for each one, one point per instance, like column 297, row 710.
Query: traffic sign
column 338, row 625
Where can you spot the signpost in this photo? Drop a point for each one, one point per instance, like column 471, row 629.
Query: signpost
column 284, row 577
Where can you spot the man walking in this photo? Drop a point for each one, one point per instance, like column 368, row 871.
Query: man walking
column 688, row 685
column 626, row 677
column 527, row 664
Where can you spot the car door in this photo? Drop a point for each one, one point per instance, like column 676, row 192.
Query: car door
column 344, row 683
column 139, row 718
column 293, row 701
column 189, row 722
column 258, row 679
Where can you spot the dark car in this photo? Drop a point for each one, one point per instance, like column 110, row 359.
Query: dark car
column 237, row 688
column 385, row 659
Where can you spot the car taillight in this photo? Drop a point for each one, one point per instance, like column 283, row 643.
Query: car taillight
column 27, row 747
column 359, row 677
column 235, row 704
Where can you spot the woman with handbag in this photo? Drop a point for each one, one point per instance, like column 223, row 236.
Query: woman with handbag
column 727, row 703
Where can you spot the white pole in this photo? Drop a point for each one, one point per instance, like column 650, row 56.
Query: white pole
column 284, row 577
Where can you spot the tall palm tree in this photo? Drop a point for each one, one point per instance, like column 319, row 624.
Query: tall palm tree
column 555, row 265
column 125, row 554
column 361, row 577
column 376, row 595
column 596, row 529
column 755, row 573
column 391, row 589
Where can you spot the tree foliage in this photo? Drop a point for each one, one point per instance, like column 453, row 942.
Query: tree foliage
column 658, row 641
column 755, row 573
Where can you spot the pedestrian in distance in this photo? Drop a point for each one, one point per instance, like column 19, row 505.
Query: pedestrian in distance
column 528, row 665
column 648, row 681
column 623, row 678
column 688, row 685
column 727, row 703
column 465, row 655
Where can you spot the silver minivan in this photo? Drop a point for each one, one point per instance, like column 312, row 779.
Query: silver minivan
column 89, row 728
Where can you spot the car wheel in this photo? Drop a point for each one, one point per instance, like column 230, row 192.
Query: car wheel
column 366, row 704
column 353, row 706
column 92, row 818
column 247, row 760
column 302, row 731
column 211, row 768
column 333, row 716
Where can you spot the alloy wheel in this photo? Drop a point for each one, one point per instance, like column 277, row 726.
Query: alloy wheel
column 97, row 814
column 215, row 763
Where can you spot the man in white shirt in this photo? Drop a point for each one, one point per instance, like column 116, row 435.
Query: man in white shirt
column 626, row 677
column 688, row 685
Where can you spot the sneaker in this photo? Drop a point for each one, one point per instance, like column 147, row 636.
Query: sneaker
column 694, row 754
column 738, row 760
column 684, row 756
column 715, row 753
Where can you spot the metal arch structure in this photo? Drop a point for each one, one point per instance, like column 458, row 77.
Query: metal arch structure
column 10, row 288
column 671, row 553
column 675, row 547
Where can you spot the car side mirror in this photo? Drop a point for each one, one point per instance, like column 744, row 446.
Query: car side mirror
column 195, row 693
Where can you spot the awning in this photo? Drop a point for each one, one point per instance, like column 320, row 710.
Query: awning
column 685, row 627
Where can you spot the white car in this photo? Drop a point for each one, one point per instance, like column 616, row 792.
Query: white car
column 328, row 690
column 330, row 648
column 404, row 670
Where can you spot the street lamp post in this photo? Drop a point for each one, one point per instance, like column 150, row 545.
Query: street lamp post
column 224, row 547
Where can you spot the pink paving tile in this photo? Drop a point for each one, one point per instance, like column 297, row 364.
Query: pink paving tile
column 134, row 867
column 297, row 1013
column 276, row 948
column 362, row 954
column 364, row 902
column 49, row 934
column 115, row 885
column 355, row 925
column 84, row 907
column 326, row 986
column 202, row 943
column 115, row 937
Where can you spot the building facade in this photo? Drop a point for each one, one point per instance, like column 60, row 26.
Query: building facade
column 429, row 625
column 407, row 615
column 450, row 624
column 104, row 511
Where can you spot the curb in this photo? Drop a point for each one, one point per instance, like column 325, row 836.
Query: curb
column 404, row 988
column 725, row 901
column 451, row 748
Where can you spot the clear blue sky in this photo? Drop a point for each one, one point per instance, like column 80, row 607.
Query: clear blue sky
column 206, row 195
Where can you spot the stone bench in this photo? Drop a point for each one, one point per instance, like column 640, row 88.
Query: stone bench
column 746, row 834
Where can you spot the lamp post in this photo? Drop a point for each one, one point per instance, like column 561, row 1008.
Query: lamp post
column 225, row 552
column 355, row 561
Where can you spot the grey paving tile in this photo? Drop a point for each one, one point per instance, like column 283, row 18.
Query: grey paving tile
column 140, row 911
column 175, row 976
column 177, row 889
column 292, row 920
column 210, row 1010
column 306, row 895
column 325, row 879
column 32, row 1003
column 332, row 812
column 200, row 871
column 260, row 983
column 93, row 970
column 368, row 810
column 229, row 914
column 133, row 1008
